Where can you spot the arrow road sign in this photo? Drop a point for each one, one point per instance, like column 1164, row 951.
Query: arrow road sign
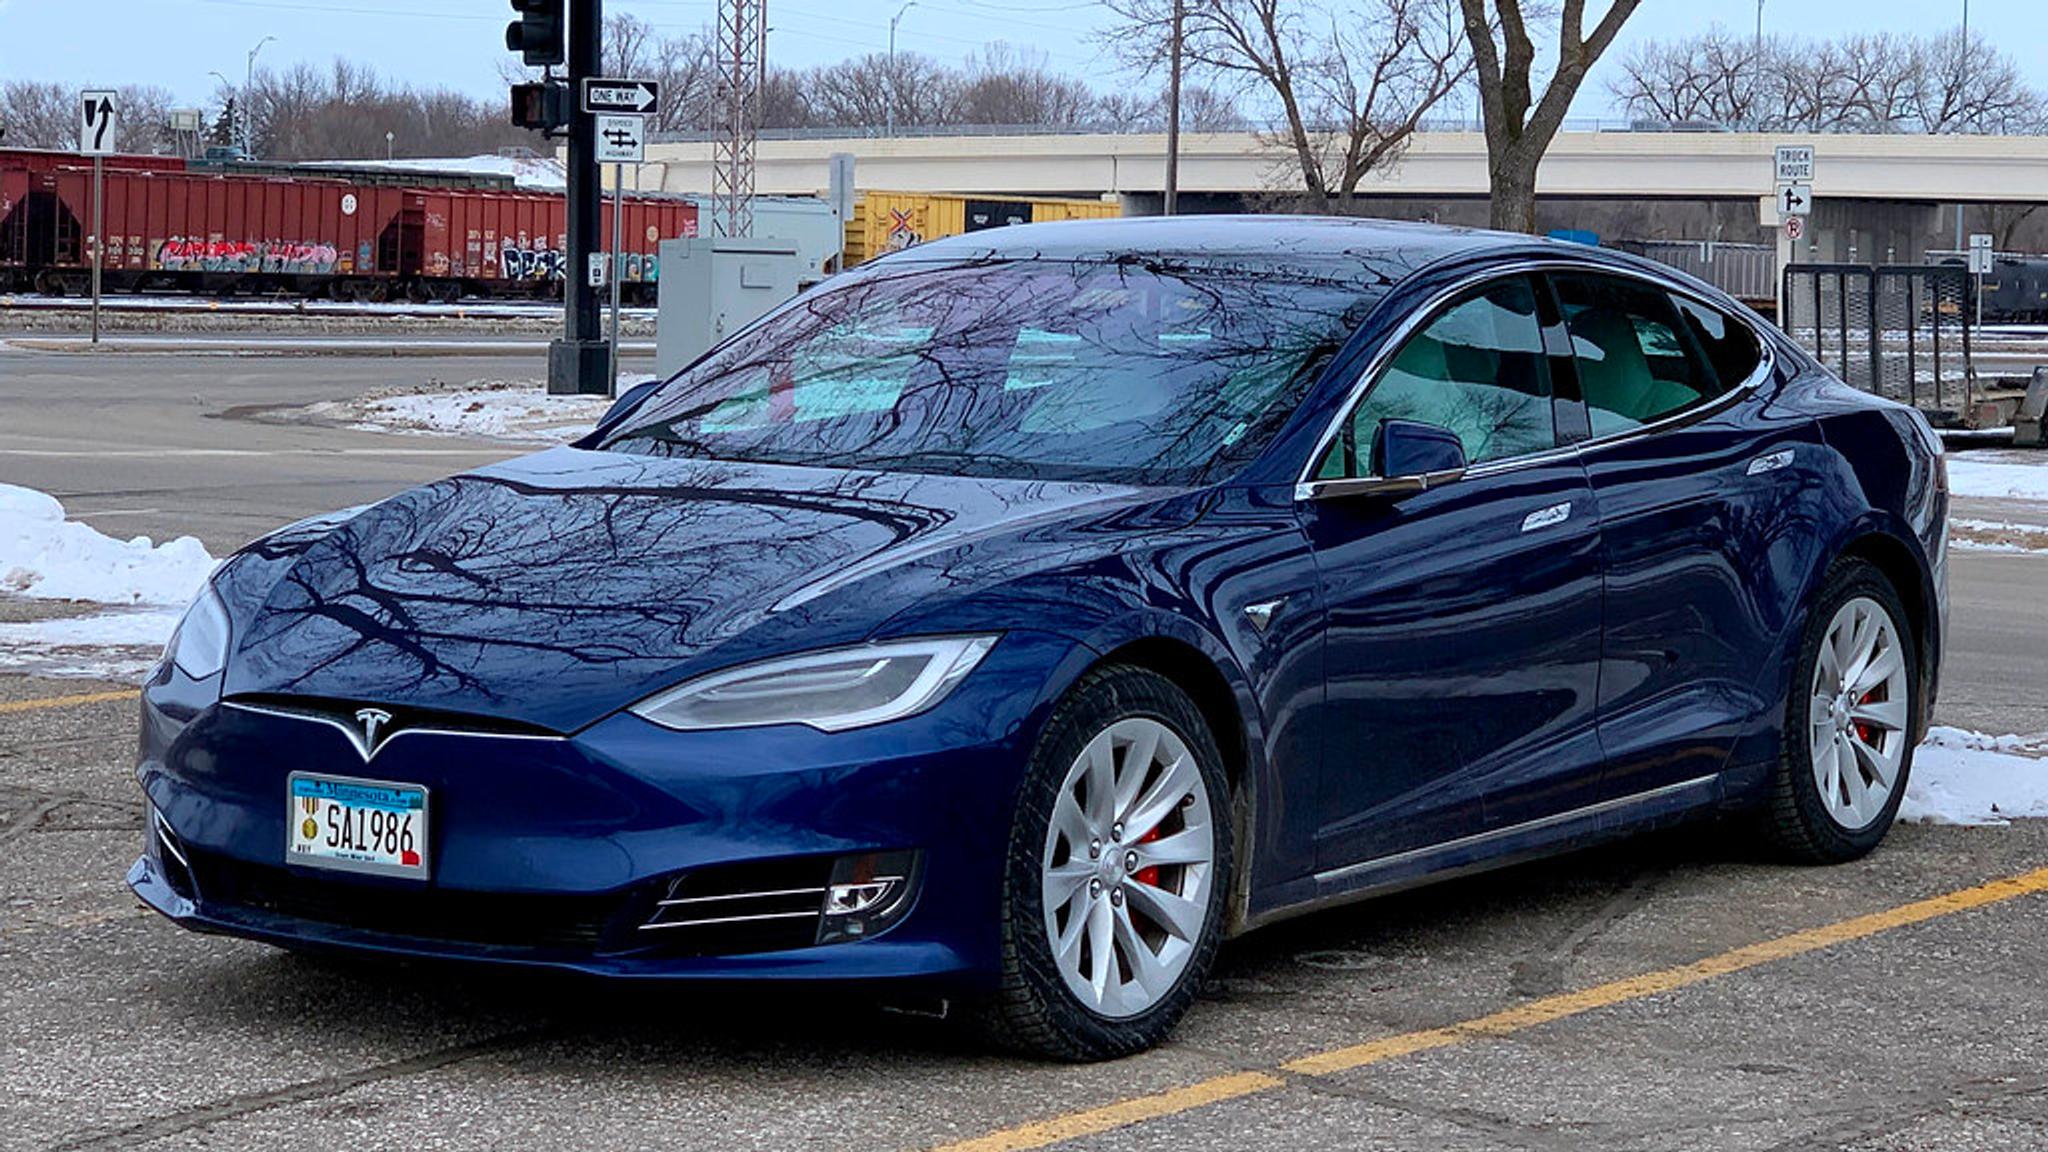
column 1795, row 200
column 621, row 139
column 97, row 123
column 601, row 94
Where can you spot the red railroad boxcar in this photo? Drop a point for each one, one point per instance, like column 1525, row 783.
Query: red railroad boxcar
column 170, row 230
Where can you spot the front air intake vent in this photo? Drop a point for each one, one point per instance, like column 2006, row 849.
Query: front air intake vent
column 739, row 908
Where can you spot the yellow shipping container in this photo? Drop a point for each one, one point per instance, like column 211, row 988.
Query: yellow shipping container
column 885, row 222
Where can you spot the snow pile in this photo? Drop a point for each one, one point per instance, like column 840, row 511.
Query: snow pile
column 1969, row 778
column 1995, row 477
column 1997, row 536
column 500, row 410
column 46, row 557
column 539, row 173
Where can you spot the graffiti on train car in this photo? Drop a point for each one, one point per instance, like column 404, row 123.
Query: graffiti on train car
column 180, row 254
column 552, row 264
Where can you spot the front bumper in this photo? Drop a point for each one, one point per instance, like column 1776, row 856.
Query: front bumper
column 552, row 852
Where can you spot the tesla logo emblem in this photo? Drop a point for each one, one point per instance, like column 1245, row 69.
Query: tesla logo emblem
column 371, row 719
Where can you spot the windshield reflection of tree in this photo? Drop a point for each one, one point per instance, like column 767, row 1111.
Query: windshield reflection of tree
column 1124, row 371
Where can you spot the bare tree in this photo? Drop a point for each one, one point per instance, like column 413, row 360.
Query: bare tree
column 1858, row 83
column 44, row 114
column 342, row 113
column 1348, row 87
column 1519, row 124
column 858, row 93
column 1005, row 86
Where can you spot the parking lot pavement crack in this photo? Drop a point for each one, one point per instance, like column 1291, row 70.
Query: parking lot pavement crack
column 1891, row 1112
column 1545, row 974
column 1499, row 1130
column 206, row 1115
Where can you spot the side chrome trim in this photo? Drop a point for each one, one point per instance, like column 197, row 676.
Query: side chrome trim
column 1305, row 484
column 655, row 927
column 355, row 736
column 1347, row 872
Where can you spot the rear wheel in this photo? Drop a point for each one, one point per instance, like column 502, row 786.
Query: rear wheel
column 1850, row 724
column 1120, row 857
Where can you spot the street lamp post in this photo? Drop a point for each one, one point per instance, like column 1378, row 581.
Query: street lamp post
column 248, row 86
column 389, row 137
column 235, row 122
column 1962, row 98
column 889, row 113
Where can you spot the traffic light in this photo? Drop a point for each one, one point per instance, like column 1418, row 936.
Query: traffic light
column 538, row 33
column 543, row 106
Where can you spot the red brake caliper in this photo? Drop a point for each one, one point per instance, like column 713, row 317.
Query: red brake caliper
column 1148, row 875
column 1862, row 729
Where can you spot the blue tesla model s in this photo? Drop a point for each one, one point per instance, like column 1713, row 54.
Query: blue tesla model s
column 1019, row 615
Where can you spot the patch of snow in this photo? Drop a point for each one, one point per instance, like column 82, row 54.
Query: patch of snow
column 144, row 585
column 1970, row 535
column 1997, row 478
column 45, row 556
column 520, row 411
column 541, row 173
column 1964, row 777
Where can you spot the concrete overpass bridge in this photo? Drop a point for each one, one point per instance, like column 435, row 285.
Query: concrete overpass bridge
column 1888, row 197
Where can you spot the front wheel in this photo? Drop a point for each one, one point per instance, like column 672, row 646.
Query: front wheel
column 1850, row 724
column 1119, row 862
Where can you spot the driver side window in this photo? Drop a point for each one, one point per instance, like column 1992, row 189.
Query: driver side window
column 1477, row 369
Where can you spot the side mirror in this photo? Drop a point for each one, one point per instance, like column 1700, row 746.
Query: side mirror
column 620, row 409
column 1411, row 448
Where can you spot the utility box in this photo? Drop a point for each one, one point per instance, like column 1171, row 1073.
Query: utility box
column 712, row 286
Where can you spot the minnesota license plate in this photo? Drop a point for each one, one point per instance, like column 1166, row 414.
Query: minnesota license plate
column 357, row 825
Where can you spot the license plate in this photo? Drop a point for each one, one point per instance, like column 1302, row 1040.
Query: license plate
column 357, row 825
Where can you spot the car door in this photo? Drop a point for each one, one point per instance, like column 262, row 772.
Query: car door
column 1463, row 620
column 1695, row 479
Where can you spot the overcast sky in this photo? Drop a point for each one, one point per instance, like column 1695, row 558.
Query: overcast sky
column 176, row 43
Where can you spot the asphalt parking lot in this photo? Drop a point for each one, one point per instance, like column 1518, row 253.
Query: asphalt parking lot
column 1673, row 992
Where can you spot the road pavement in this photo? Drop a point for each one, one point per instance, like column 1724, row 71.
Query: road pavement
column 1677, row 991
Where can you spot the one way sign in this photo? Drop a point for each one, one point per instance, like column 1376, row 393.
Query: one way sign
column 603, row 94
column 1795, row 200
column 621, row 139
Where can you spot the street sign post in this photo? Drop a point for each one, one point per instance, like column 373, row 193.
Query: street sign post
column 609, row 94
column 98, row 134
column 1795, row 200
column 621, row 140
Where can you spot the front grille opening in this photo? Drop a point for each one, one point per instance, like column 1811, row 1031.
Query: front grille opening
column 401, row 908
column 738, row 908
column 170, row 855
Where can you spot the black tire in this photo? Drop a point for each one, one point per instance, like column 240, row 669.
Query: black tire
column 1034, row 1011
column 1796, row 818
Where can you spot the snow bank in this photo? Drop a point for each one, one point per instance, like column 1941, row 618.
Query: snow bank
column 1997, row 479
column 48, row 557
column 145, row 585
column 1969, row 778
column 501, row 410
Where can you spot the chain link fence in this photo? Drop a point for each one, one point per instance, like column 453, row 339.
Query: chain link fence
column 1899, row 331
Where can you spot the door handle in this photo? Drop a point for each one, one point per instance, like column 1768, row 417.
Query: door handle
column 1770, row 462
column 1545, row 517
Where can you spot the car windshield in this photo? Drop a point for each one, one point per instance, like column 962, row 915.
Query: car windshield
column 1118, row 371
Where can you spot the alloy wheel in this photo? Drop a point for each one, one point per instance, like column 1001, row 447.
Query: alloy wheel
column 1128, row 864
column 1857, row 720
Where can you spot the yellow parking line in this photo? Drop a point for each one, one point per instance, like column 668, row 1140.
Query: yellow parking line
column 40, row 703
column 1044, row 1133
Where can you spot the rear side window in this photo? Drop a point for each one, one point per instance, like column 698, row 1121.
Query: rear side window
column 1727, row 343
column 1638, row 361
column 1477, row 369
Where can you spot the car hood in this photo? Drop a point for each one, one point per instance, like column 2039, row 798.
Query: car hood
column 557, row 588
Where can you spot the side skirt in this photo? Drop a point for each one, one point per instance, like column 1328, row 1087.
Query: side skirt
column 1484, row 851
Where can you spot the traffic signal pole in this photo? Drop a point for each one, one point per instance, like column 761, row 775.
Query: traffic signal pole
column 580, row 362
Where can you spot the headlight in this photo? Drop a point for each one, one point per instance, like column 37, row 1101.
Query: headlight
column 832, row 690
column 200, row 645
